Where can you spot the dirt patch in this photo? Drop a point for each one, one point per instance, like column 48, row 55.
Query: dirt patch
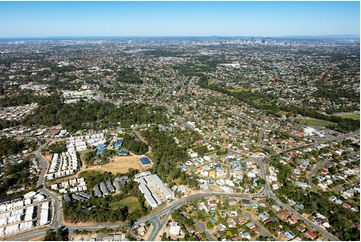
column 62, row 179
column 212, row 174
column 122, row 164
column 48, row 157
column 82, row 237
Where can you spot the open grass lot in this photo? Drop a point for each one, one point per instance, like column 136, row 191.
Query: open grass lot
column 283, row 112
column 131, row 202
column 348, row 115
column 215, row 188
column 122, row 164
column 157, row 209
column 314, row 122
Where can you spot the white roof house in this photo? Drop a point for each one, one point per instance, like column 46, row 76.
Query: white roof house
column 29, row 195
column 29, row 213
column 174, row 229
column 44, row 215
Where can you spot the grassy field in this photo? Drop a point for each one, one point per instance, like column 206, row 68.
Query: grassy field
column 215, row 188
column 157, row 209
column 122, row 164
column 239, row 90
column 212, row 81
column 131, row 202
column 348, row 115
column 283, row 112
column 314, row 122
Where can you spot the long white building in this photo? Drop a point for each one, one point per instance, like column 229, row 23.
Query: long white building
column 44, row 213
column 29, row 213
column 153, row 189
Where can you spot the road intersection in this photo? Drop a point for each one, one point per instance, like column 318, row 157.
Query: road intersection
column 154, row 218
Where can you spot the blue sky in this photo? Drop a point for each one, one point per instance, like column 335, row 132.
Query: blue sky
column 46, row 19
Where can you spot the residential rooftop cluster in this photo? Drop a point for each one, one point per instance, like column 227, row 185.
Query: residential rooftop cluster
column 109, row 187
column 62, row 165
column 24, row 213
column 17, row 112
column 258, row 119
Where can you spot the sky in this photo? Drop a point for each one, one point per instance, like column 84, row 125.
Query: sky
column 266, row 19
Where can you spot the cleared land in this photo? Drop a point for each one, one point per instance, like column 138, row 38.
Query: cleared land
column 283, row 112
column 212, row 174
column 48, row 157
column 314, row 122
column 40, row 238
column 131, row 202
column 349, row 115
column 122, row 164
column 215, row 188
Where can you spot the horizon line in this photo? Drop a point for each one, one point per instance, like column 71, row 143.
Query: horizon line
column 185, row 36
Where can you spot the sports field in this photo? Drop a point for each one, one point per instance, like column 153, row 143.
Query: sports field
column 314, row 122
column 349, row 115
column 123, row 163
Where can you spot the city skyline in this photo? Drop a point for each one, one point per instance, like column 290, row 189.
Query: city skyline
column 263, row 19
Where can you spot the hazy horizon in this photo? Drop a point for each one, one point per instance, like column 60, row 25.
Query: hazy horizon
column 343, row 36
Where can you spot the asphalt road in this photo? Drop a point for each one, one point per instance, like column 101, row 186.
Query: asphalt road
column 262, row 231
column 270, row 194
column 321, row 141
column 42, row 232
column 204, row 230
column 320, row 229
column 56, row 214
column 163, row 222
column 156, row 228
column 28, row 235
column 192, row 197
column 342, row 186
column 266, row 189
column 56, row 222
column 312, row 173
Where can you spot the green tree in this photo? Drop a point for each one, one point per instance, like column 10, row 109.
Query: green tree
column 209, row 225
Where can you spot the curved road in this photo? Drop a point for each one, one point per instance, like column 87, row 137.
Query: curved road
column 205, row 231
column 56, row 223
column 56, row 218
column 156, row 228
column 317, row 167
column 263, row 232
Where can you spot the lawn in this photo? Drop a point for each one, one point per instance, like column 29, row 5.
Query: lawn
column 283, row 112
column 239, row 90
column 215, row 188
column 212, row 81
column 349, row 115
column 131, row 202
column 158, row 209
column 314, row 122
